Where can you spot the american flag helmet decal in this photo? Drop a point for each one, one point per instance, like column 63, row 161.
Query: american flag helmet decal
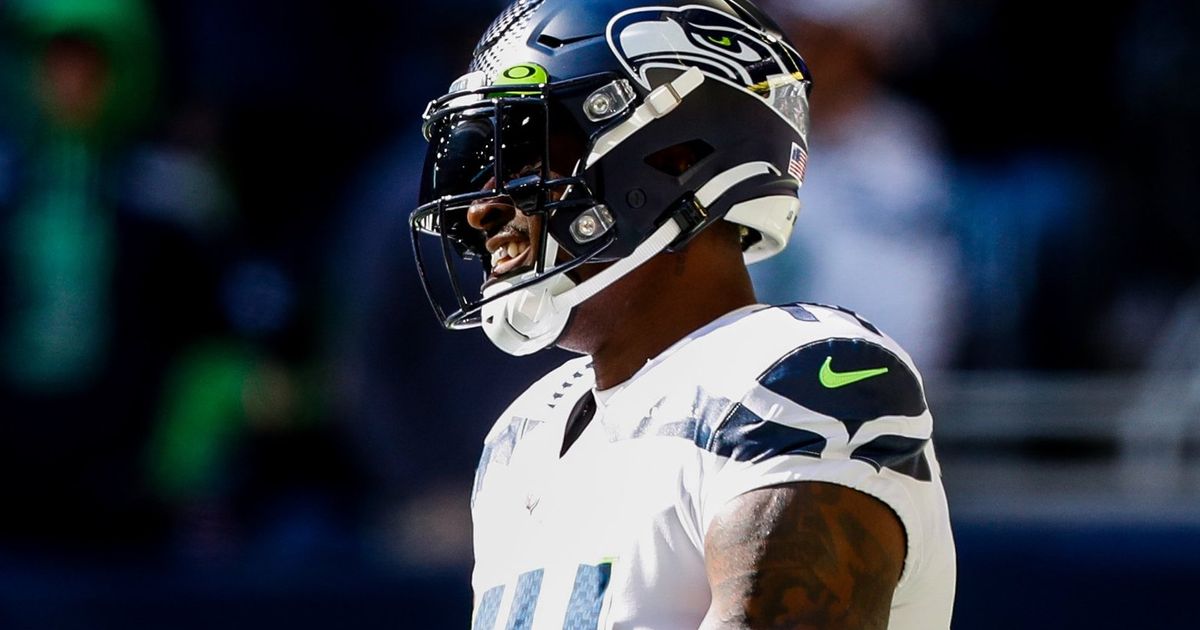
column 798, row 162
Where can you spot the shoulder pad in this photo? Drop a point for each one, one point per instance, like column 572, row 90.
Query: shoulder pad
column 852, row 380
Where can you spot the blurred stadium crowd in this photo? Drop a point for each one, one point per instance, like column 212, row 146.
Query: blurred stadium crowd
column 215, row 350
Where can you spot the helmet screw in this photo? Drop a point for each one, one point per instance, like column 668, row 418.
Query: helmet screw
column 586, row 226
column 592, row 224
column 599, row 105
column 609, row 100
column 636, row 198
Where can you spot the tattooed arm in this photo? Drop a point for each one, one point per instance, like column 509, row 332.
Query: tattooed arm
column 803, row 555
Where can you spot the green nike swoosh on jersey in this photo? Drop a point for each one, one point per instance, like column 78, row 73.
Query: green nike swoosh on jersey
column 833, row 380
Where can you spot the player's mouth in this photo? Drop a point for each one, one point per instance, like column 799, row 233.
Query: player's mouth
column 511, row 250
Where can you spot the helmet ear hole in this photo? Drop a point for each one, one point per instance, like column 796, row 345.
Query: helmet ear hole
column 678, row 159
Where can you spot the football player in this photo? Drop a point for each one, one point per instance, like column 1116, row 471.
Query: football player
column 599, row 181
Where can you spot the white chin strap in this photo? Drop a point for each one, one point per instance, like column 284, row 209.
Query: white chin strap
column 534, row 318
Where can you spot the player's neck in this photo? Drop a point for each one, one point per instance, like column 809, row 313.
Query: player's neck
column 626, row 353
column 664, row 314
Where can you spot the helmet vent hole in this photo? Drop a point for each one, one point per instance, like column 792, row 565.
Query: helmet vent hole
column 678, row 159
column 549, row 41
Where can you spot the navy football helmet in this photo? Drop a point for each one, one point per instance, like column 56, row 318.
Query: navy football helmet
column 619, row 129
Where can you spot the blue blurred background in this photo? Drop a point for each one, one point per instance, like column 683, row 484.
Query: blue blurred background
column 224, row 401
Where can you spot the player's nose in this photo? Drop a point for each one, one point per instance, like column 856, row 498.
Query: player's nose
column 490, row 214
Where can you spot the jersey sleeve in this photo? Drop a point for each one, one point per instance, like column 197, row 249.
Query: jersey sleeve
column 847, row 411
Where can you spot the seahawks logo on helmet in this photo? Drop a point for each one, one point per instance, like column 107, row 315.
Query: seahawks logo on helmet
column 720, row 45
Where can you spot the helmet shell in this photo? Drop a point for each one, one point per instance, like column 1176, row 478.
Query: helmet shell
column 736, row 117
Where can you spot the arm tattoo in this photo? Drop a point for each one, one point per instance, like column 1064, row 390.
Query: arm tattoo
column 803, row 555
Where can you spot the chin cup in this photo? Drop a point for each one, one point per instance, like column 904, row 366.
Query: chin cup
column 527, row 320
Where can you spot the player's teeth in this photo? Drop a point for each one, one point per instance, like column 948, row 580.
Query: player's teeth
column 513, row 250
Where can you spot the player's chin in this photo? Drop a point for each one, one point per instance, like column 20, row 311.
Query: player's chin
column 589, row 324
column 574, row 338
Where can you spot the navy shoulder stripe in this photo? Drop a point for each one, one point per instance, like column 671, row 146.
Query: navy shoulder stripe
column 797, row 311
column 852, row 380
column 904, row 455
column 729, row 429
column 744, row 436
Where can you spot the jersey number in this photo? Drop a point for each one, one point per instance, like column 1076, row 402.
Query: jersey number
column 583, row 609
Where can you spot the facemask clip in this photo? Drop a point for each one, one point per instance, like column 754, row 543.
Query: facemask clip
column 592, row 224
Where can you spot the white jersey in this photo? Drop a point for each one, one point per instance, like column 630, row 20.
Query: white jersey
column 611, row 534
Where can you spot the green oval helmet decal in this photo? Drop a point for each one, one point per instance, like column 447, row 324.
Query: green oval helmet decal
column 523, row 74
column 520, row 74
